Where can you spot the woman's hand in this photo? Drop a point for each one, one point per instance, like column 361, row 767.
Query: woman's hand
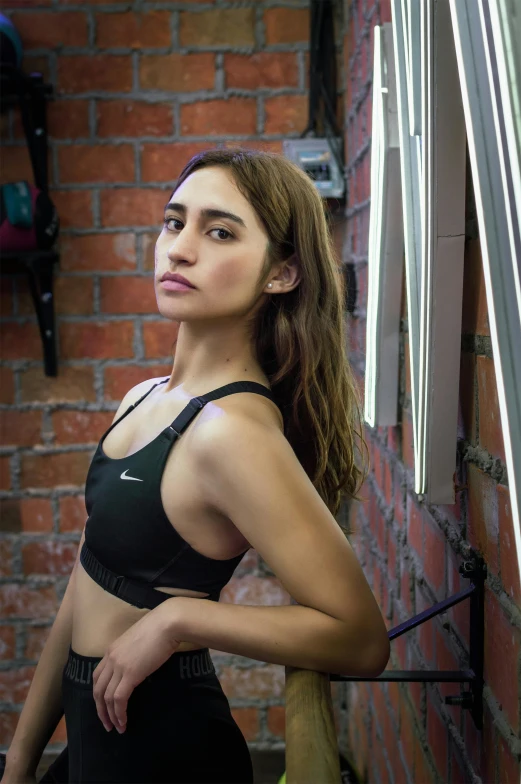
column 141, row 650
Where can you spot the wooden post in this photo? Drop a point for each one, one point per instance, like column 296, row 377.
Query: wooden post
column 311, row 743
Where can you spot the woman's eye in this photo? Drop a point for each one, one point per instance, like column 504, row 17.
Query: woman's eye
column 172, row 220
column 222, row 232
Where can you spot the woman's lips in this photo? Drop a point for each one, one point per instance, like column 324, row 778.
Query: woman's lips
column 175, row 285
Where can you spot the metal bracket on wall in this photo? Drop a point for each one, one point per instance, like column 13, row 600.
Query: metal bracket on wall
column 39, row 267
column 475, row 570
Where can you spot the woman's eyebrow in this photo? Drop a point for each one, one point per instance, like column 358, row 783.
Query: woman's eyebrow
column 206, row 212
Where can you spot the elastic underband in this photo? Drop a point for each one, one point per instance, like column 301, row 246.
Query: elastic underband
column 182, row 666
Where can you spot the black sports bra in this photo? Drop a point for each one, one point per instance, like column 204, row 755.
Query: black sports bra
column 130, row 544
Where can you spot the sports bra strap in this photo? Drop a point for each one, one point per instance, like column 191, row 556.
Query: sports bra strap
column 197, row 403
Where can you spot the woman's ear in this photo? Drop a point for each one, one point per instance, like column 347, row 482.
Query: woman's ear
column 287, row 278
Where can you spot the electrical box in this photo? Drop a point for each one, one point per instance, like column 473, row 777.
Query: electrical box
column 317, row 158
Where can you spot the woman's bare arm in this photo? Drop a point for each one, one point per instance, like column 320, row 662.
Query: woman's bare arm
column 43, row 707
column 248, row 472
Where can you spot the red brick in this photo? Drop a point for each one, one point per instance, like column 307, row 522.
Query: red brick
column 252, row 590
column 51, row 30
column 5, row 473
column 119, row 379
column 8, row 722
column 434, row 563
column 158, row 337
column 502, row 648
column 16, row 165
column 6, row 386
column 276, row 720
column 52, row 557
column 36, row 515
column 415, row 527
column 6, row 558
column 72, row 513
column 14, row 684
column 261, row 70
column 73, row 427
column 89, row 73
column 133, row 118
column 475, row 310
column 286, row 113
column 96, row 163
column 490, row 426
column 248, row 721
column 437, row 737
column 509, row 764
column 10, row 520
column 133, row 207
column 258, row 682
column 422, row 771
column 71, row 385
column 128, row 294
column 68, row 119
column 219, row 117
column 286, row 25
column 133, row 30
column 164, row 162
column 67, row 468
column 7, row 642
column 18, row 600
column 97, row 340
column 256, row 144
column 36, row 637
column 507, row 546
column 74, row 209
column 73, row 296
column 94, row 252
column 219, row 27
column 20, row 428
column 177, row 72
column 20, row 341
column 483, row 523
column 92, row 2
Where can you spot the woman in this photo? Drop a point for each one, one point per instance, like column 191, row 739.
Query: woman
column 262, row 401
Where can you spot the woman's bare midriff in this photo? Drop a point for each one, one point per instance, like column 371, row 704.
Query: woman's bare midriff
column 99, row 617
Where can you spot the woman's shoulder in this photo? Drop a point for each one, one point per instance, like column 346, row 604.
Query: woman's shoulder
column 247, row 408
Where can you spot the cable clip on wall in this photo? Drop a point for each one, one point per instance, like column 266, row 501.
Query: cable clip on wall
column 475, row 570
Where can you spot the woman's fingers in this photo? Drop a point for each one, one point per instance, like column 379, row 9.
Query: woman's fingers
column 100, row 688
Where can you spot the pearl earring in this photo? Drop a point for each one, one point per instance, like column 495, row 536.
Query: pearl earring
column 270, row 285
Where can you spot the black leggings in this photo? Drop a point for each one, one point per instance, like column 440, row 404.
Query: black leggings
column 179, row 728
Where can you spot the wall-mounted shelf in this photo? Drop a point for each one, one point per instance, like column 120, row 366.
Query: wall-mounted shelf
column 471, row 699
column 31, row 93
column 39, row 267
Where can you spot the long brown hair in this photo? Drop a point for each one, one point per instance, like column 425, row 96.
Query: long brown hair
column 300, row 336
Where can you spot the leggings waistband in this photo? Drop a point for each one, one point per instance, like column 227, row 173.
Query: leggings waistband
column 183, row 666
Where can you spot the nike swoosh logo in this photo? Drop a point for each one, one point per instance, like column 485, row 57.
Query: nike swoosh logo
column 130, row 477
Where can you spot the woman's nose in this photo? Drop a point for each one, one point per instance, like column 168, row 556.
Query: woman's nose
column 183, row 247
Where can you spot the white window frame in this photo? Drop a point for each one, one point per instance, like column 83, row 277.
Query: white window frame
column 385, row 256
column 433, row 198
column 488, row 49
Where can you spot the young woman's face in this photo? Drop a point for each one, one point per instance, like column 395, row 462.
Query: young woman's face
column 214, row 239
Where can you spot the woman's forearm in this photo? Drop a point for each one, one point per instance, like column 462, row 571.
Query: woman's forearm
column 43, row 706
column 292, row 635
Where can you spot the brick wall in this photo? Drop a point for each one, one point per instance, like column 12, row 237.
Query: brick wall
column 137, row 93
column 411, row 551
